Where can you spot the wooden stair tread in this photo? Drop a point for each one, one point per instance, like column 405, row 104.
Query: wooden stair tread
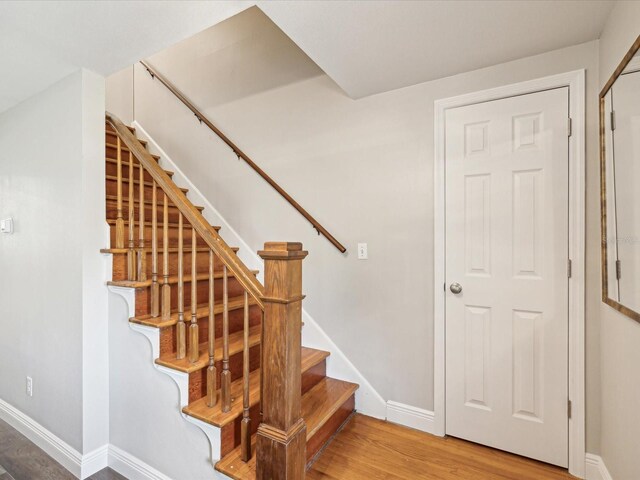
column 323, row 400
column 235, row 303
column 318, row 405
column 137, row 182
column 236, row 345
column 173, row 279
column 214, row 415
column 159, row 203
column 112, row 222
column 136, row 166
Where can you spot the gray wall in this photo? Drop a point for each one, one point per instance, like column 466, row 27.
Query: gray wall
column 620, row 336
column 41, row 263
column 54, row 302
column 363, row 167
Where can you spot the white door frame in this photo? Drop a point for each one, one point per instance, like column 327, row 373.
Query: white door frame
column 576, row 82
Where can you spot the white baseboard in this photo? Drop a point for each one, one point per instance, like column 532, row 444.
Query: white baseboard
column 81, row 466
column 132, row 467
column 412, row 417
column 94, row 461
column 596, row 469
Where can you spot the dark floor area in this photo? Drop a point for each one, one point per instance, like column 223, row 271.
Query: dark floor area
column 22, row 460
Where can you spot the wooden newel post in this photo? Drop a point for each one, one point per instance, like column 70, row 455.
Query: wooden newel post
column 282, row 435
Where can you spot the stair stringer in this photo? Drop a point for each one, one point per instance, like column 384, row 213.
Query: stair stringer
column 368, row 400
column 181, row 379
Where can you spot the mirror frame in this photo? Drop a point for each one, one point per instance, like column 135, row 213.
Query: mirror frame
column 603, row 192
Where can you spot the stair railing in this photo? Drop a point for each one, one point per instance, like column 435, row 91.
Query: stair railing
column 241, row 155
column 281, row 437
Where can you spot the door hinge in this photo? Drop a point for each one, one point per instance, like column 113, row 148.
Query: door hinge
column 618, row 270
column 569, row 408
column 569, row 268
column 613, row 120
column 569, row 125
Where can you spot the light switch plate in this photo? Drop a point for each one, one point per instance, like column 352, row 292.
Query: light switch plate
column 6, row 225
column 362, row 251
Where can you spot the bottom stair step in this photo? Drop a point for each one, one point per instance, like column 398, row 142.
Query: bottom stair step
column 324, row 408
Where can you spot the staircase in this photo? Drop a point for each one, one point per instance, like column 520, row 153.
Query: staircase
column 238, row 341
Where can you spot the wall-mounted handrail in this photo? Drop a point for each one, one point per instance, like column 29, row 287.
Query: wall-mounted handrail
column 228, row 257
column 203, row 119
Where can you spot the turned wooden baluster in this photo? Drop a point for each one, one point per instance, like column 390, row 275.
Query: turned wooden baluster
column 155, row 286
column 212, row 397
column 166, row 288
column 246, row 419
column 261, row 360
column 181, row 333
column 194, row 339
column 142, row 255
column 131, row 253
column 281, row 437
column 119, row 218
column 225, row 376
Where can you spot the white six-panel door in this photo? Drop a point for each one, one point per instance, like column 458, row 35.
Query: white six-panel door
column 506, row 167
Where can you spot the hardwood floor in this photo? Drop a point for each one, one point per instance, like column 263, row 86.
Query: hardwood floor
column 366, row 449
column 23, row 460
column 372, row 449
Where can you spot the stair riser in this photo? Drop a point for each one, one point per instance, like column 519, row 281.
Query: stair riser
column 172, row 231
column 198, row 379
column 143, row 295
column 120, row 264
column 322, row 436
column 159, row 203
column 112, row 212
column 111, row 137
column 111, row 187
column 112, row 170
column 312, row 377
column 236, row 320
column 231, row 432
column 230, row 435
column 112, row 152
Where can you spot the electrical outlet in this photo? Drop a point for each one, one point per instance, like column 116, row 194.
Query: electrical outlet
column 362, row 251
column 30, row 386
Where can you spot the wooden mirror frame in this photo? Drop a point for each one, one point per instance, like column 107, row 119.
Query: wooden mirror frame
column 603, row 181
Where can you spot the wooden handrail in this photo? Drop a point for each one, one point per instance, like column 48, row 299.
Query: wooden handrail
column 228, row 257
column 202, row 119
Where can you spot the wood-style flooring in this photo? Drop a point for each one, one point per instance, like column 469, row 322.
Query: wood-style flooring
column 370, row 449
column 4, row 475
column 365, row 449
column 23, row 460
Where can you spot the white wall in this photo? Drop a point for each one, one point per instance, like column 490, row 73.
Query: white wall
column 95, row 235
column 363, row 167
column 41, row 263
column 145, row 419
column 51, row 281
column 620, row 336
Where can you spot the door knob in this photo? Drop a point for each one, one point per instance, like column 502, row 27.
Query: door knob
column 455, row 287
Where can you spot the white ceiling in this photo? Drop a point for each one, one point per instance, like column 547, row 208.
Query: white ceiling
column 366, row 47
column 41, row 42
column 375, row 46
